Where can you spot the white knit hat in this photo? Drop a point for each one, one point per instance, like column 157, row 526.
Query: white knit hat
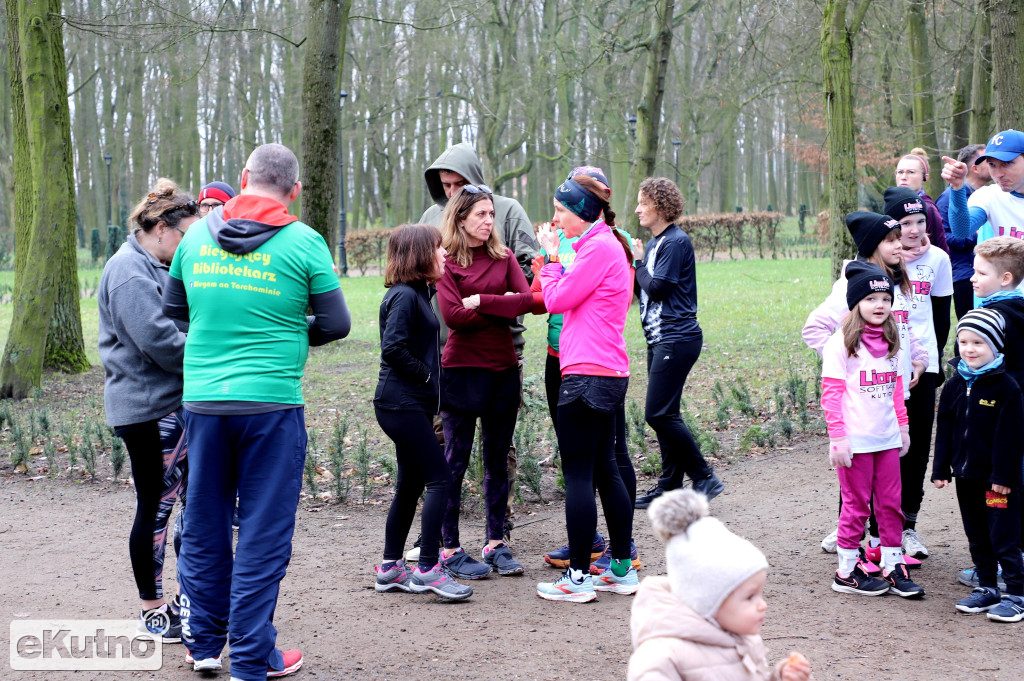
column 706, row 562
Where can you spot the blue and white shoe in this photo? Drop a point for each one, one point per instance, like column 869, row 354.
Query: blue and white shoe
column 612, row 583
column 981, row 599
column 969, row 577
column 1010, row 609
column 566, row 589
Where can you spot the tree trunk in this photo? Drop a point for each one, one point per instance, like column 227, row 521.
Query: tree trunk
column 1008, row 35
column 325, row 47
column 924, row 98
column 981, row 79
column 960, row 135
column 36, row 293
column 836, row 62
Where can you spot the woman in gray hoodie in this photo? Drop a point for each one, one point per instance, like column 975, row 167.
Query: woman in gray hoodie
column 142, row 352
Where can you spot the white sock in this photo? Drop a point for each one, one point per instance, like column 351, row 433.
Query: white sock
column 576, row 576
column 874, row 542
column 891, row 557
column 847, row 560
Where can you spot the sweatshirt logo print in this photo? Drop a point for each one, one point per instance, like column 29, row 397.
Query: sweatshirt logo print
column 877, row 377
column 987, row 403
column 1015, row 232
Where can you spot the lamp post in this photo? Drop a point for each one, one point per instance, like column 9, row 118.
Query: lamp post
column 107, row 158
column 342, row 256
column 675, row 144
column 631, row 120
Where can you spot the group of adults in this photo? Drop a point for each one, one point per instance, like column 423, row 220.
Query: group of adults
column 204, row 334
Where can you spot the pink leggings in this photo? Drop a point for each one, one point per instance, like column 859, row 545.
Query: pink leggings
column 875, row 473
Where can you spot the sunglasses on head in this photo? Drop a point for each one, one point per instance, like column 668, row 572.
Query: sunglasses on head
column 190, row 208
column 477, row 189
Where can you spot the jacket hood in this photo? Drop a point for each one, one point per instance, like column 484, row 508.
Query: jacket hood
column 659, row 614
column 246, row 222
column 461, row 159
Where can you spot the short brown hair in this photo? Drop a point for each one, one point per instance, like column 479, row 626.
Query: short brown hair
column 412, row 253
column 1006, row 253
column 663, row 193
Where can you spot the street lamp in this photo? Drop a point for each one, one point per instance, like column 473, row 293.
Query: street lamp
column 342, row 257
column 676, row 143
column 631, row 119
column 107, row 158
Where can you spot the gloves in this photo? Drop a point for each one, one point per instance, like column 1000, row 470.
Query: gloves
column 905, row 438
column 839, row 453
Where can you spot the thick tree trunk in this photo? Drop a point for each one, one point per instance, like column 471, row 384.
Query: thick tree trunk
column 37, row 292
column 1007, row 69
column 325, row 47
column 924, row 98
column 981, row 80
column 960, row 134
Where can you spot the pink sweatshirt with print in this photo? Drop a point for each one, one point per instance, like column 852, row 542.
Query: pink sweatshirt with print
column 594, row 296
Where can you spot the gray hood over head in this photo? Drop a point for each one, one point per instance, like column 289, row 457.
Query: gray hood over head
column 461, row 159
column 239, row 235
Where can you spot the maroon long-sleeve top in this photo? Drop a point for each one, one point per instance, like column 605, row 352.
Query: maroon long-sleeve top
column 481, row 338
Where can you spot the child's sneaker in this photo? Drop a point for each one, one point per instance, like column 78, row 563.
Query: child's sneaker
column 605, row 561
column 292, row 662
column 395, row 579
column 612, row 583
column 565, row 589
column 210, row 664
column 437, row 581
column 1009, row 609
column 501, row 561
column 872, row 553
column 969, row 577
column 982, row 599
column 828, row 544
column 859, row 583
column 161, row 621
column 460, row 565
column 870, row 567
column 900, row 583
column 559, row 558
column 913, row 546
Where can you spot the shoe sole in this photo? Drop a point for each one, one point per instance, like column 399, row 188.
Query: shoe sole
column 906, row 594
column 622, row 589
column 563, row 564
column 510, row 572
column 974, row 611
column 384, row 588
column 830, row 548
column 207, row 666
column 585, row 597
column 440, row 592
column 1001, row 618
column 857, row 592
column 273, row 674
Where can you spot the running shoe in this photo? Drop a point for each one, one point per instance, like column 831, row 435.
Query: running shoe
column 901, row 584
column 605, row 561
column 1009, row 609
column 292, row 662
column 969, row 577
column 460, row 565
column 210, row 664
column 912, row 544
column 859, row 583
column 437, row 581
column 565, row 589
column 609, row 581
column 710, row 486
column 559, row 558
column 645, row 500
column 872, row 553
column 982, row 599
column 870, row 567
column 163, row 622
column 828, row 544
column 501, row 561
column 394, row 579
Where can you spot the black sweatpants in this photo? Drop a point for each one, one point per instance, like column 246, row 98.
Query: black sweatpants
column 668, row 365
column 914, row 465
column 421, row 466
column 993, row 534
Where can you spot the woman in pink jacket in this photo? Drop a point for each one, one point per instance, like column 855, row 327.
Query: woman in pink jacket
column 594, row 297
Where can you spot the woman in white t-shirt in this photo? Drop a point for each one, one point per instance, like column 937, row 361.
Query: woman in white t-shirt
column 862, row 395
column 931, row 279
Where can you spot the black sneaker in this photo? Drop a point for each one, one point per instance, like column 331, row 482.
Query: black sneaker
column 460, row 565
column 162, row 622
column 859, row 583
column 645, row 500
column 901, row 584
column 501, row 561
column 710, row 486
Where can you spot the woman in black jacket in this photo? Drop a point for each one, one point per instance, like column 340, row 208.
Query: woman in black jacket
column 407, row 397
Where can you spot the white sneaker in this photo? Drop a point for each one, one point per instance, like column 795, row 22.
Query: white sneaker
column 210, row 664
column 913, row 546
column 412, row 555
column 828, row 544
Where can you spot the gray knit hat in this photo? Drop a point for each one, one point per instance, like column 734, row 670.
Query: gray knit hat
column 989, row 324
column 694, row 546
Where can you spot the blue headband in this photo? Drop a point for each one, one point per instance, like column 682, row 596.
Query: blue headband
column 579, row 201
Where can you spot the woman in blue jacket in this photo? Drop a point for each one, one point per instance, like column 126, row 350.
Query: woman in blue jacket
column 408, row 396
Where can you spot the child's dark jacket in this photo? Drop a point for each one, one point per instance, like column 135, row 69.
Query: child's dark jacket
column 1012, row 310
column 978, row 435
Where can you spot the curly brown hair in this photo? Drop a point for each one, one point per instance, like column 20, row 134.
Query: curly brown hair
column 663, row 193
column 167, row 202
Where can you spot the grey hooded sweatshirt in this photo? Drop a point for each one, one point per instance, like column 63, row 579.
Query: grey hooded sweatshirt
column 514, row 226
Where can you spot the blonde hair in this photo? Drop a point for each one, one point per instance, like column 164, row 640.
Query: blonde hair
column 1006, row 254
column 453, row 234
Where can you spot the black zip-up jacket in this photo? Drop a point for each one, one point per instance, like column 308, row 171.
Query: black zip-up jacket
column 410, row 358
column 1012, row 310
column 978, row 430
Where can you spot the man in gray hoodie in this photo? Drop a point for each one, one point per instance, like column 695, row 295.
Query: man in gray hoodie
column 453, row 169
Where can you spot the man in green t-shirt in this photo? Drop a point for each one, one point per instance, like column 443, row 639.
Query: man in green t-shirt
column 243, row 278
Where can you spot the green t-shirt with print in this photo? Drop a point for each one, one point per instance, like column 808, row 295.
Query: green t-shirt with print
column 248, row 336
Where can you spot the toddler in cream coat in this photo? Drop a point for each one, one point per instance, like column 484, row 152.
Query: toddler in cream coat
column 703, row 621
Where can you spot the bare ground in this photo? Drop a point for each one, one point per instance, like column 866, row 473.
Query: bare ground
column 64, row 554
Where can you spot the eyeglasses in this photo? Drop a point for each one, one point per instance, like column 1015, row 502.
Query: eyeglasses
column 205, row 208
column 477, row 189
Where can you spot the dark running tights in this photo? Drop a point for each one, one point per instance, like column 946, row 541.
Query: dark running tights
column 421, row 466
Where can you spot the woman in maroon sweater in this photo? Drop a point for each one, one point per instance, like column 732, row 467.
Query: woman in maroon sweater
column 480, row 294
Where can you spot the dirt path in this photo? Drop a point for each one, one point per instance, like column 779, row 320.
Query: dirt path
column 64, row 553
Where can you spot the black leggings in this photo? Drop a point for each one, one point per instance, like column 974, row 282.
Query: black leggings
column 160, row 470
column 668, row 365
column 586, row 440
column 421, row 466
